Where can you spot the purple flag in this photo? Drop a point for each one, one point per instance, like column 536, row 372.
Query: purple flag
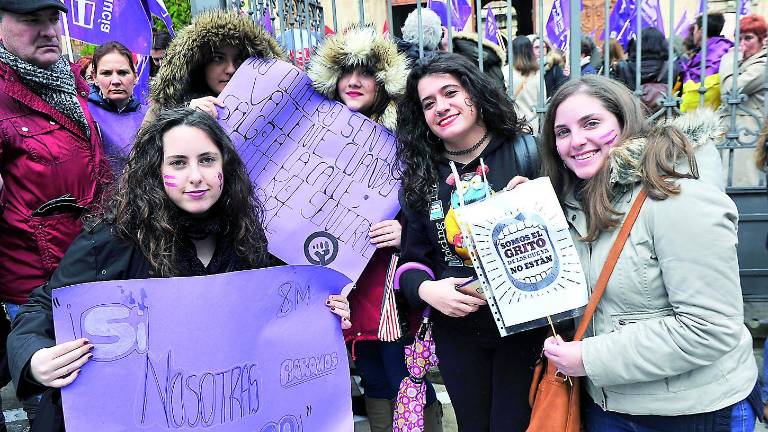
column 745, row 4
column 491, row 28
column 682, row 27
column 267, row 20
column 461, row 10
column 559, row 24
column 99, row 21
column 623, row 19
column 321, row 170
column 141, row 90
column 255, row 350
column 158, row 9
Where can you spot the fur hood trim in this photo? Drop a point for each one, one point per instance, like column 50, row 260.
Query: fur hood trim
column 194, row 45
column 361, row 46
column 702, row 127
column 472, row 36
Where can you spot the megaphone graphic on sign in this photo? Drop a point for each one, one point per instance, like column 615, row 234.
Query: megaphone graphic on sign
column 83, row 12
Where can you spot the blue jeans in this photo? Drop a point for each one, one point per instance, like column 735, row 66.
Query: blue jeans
column 12, row 310
column 737, row 418
column 764, row 388
column 382, row 367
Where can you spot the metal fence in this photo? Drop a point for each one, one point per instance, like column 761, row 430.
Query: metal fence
column 300, row 26
column 308, row 18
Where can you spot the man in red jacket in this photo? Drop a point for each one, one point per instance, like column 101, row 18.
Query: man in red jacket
column 51, row 161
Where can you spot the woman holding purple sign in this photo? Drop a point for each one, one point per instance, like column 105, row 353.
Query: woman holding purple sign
column 112, row 103
column 184, row 207
column 204, row 56
column 364, row 71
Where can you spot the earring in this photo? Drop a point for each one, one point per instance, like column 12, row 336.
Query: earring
column 469, row 103
column 434, row 141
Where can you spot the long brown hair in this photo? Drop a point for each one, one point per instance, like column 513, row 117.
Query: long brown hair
column 143, row 214
column 659, row 147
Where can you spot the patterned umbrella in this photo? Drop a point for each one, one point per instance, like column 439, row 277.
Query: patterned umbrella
column 419, row 357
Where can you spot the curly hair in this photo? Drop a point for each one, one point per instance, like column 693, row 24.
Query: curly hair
column 416, row 153
column 143, row 214
column 665, row 145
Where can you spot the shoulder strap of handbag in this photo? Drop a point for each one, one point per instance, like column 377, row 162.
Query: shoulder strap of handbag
column 610, row 263
column 526, row 155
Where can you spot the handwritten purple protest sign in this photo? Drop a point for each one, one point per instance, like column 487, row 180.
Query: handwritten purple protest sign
column 254, row 351
column 321, row 170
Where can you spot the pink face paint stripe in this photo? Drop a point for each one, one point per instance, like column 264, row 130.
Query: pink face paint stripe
column 610, row 140
column 170, row 177
column 169, row 184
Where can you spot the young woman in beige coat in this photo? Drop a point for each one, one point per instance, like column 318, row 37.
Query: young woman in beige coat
column 667, row 349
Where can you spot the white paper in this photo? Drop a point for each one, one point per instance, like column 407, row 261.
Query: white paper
column 524, row 256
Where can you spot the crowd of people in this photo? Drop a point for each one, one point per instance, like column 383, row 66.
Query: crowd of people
column 97, row 184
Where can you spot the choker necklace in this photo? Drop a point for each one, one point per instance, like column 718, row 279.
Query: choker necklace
column 468, row 150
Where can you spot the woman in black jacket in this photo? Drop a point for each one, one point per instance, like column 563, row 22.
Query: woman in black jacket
column 184, row 207
column 454, row 117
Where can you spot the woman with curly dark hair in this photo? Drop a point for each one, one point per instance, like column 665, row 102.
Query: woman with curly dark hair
column 183, row 207
column 454, row 118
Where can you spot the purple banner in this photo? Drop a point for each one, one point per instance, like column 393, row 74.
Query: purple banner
column 623, row 19
column 461, row 10
column 491, row 28
column 158, row 9
column 745, row 4
column 248, row 351
column 99, row 21
column 683, row 25
column 559, row 24
column 321, row 170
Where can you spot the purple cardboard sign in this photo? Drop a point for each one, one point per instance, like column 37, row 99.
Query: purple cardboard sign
column 321, row 170
column 254, row 351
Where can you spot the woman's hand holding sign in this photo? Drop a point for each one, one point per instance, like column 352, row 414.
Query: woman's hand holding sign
column 60, row 364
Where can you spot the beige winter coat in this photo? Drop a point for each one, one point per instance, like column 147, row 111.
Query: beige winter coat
column 525, row 90
column 668, row 336
column 749, row 113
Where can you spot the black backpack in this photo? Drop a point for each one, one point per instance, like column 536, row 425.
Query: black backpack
column 527, row 160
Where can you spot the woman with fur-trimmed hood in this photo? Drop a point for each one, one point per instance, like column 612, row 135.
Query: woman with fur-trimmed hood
column 364, row 71
column 204, row 56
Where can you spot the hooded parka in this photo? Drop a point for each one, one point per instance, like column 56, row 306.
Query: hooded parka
column 668, row 336
column 181, row 76
column 360, row 46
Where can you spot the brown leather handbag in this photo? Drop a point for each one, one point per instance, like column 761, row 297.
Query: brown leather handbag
column 554, row 397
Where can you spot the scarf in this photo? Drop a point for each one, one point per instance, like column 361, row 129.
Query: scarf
column 55, row 85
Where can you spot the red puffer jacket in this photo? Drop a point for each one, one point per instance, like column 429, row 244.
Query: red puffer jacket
column 43, row 155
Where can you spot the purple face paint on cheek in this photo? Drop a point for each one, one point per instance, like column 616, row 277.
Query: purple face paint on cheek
column 167, row 183
column 609, row 137
column 221, row 181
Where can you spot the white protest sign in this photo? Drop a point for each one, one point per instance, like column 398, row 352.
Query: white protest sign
column 524, row 256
